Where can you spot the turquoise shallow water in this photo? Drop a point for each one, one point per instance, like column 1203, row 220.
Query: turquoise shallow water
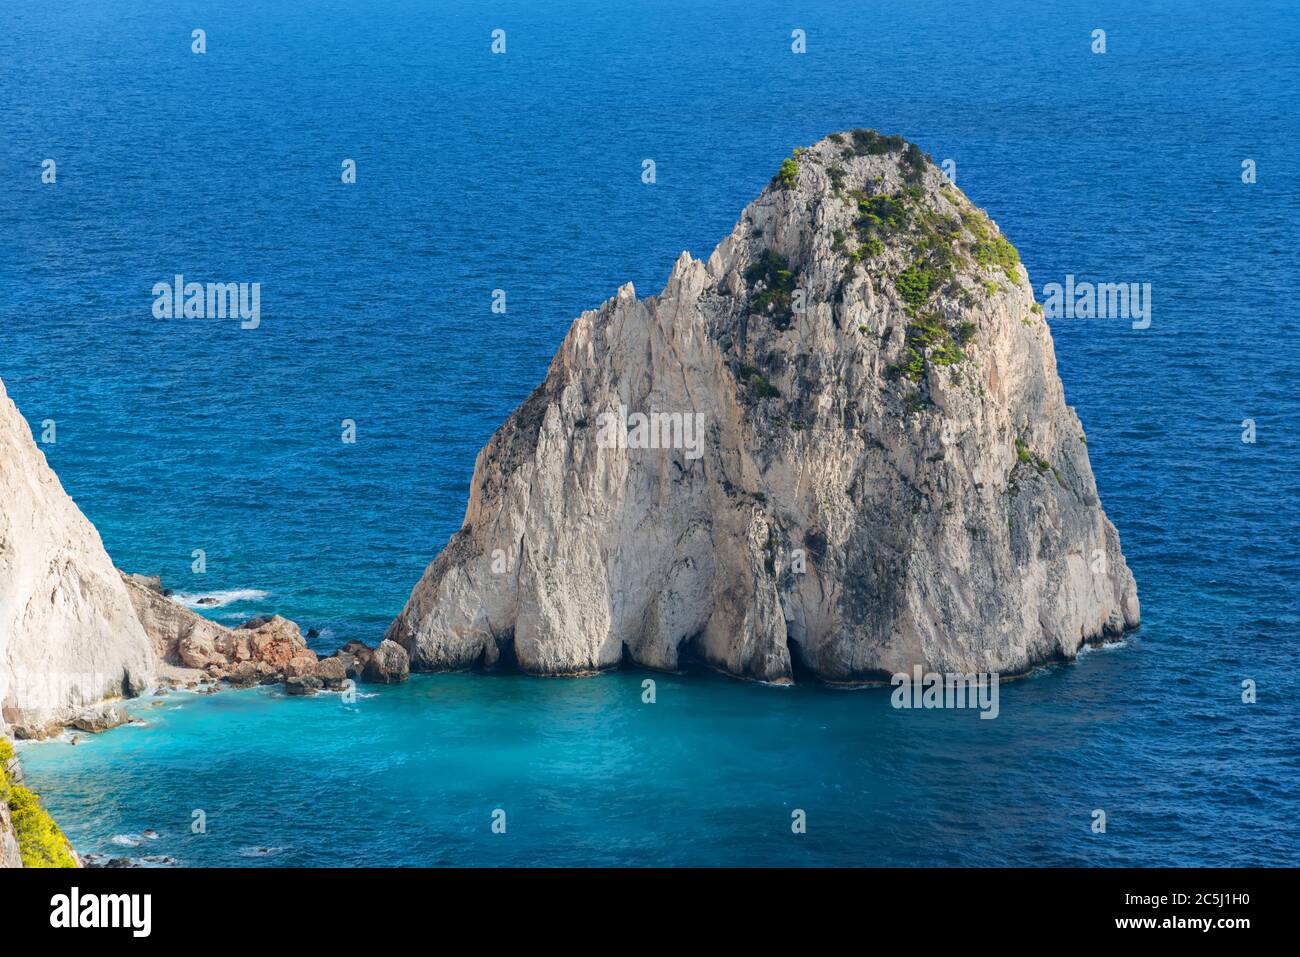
column 522, row 172
column 710, row 773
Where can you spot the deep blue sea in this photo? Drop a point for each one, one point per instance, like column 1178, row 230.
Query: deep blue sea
column 522, row 172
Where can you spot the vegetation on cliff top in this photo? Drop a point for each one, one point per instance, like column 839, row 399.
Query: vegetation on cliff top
column 938, row 247
column 40, row 842
column 991, row 250
column 789, row 172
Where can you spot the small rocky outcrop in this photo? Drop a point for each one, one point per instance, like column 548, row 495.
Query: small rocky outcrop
column 839, row 443
column 387, row 664
column 100, row 718
column 331, row 672
column 94, row 719
column 68, row 636
column 302, row 685
column 354, row 656
column 261, row 650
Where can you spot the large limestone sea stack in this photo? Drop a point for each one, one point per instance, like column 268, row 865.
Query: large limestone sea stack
column 886, row 475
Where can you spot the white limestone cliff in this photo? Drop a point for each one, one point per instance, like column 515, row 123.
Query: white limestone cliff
column 69, row 637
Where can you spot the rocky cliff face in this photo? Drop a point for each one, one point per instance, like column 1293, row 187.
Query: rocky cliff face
column 69, row 637
column 10, row 854
column 856, row 457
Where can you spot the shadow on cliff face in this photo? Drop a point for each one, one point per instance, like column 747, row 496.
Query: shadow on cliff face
column 506, row 661
column 691, row 657
column 800, row 673
column 688, row 662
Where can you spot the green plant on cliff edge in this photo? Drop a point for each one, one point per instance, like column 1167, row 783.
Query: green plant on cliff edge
column 913, row 163
column 40, row 842
column 871, row 143
column 991, row 250
column 789, row 172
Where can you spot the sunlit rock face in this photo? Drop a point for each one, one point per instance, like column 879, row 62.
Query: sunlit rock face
column 69, row 638
column 838, row 446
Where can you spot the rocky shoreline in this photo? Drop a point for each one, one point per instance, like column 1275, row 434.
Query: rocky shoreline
column 264, row 650
column 196, row 653
column 193, row 654
column 77, row 637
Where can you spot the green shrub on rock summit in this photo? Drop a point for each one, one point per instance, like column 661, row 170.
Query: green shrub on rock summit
column 789, row 172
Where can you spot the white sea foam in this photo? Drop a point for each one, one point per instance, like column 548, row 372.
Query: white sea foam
column 219, row 599
column 1107, row 645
